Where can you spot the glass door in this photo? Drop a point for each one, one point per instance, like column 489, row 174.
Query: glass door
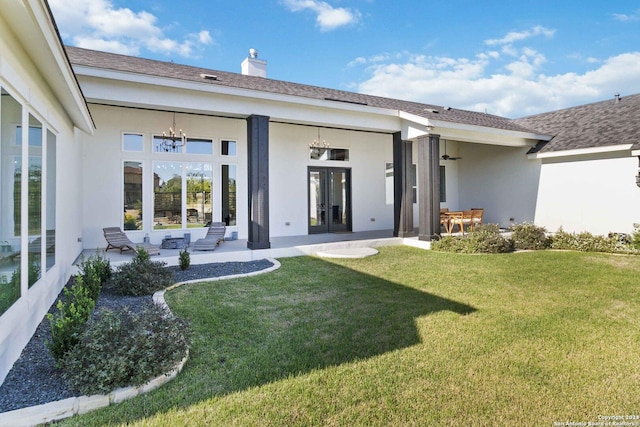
column 329, row 200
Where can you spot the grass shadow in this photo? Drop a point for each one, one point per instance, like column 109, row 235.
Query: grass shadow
column 309, row 315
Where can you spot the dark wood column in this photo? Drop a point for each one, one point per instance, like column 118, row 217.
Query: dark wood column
column 402, row 187
column 258, row 174
column 429, row 186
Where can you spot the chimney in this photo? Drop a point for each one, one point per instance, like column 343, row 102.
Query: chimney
column 617, row 97
column 252, row 66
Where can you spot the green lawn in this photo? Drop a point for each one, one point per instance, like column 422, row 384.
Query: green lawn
column 408, row 337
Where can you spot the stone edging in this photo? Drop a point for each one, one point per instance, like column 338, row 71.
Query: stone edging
column 66, row 408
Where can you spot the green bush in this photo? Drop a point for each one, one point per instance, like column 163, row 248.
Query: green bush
column 634, row 238
column 529, row 236
column 587, row 242
column 185, row 259
column 141, row 276
column 484, row 238
column 95, row 271
column 120, row 348
column 68, row 322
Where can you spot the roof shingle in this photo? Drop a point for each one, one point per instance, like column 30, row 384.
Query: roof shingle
column 600, row 124
column 116, row 62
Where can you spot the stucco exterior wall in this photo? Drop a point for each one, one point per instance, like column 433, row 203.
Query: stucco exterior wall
column 499, row 179
column 102, row 168
column 589, row 194
column 23, row 81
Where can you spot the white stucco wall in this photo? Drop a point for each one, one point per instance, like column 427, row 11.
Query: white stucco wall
column 289, row 161
column 102, row 168
column 589, row 194
column 499, row 179
column 22, row 79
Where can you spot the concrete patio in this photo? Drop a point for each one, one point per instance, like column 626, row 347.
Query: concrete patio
column 281, row 247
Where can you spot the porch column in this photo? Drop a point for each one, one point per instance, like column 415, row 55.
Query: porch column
column 258, row 181
column 402, row 187
column 429, row 186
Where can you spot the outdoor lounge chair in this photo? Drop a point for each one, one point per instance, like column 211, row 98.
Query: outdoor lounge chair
column 214, row 236
column 116, row 239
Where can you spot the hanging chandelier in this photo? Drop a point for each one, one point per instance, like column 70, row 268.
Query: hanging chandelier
column 173, row 140
column 319, row 143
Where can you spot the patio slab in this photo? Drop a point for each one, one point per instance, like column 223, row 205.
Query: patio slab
column 348, row 253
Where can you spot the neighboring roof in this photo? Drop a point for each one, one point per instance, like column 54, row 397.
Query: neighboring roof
column 601, row 124
column 130, row 64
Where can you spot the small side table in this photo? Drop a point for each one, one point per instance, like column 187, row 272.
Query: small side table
column 174, row 243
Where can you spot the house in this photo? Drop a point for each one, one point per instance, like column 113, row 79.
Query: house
column 589, row 170
column 156, row 147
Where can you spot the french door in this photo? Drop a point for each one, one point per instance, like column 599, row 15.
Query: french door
column 329, row 200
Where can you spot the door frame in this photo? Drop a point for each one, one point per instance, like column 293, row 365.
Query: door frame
column 329, row 227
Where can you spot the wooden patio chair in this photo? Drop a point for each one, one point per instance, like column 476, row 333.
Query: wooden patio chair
column 476, row 217
column 215, row 235
column 117, row 239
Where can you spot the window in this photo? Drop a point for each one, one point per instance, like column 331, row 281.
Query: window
column 193, row 146
column 199, row 146
column 228, row 148
column 414, row 183
column 443, row 186
column 132, row 195
column 167, row 195
column 171, row 181
column 132, row 142
column 34, row 201
column 10, row 199
column 388, row 183
column 159, row 146
column 50, row 248
column 199, row 200
column 340, row 154
column 228, row 183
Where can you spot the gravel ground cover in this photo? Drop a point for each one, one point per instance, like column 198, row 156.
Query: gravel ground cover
column 34, row 379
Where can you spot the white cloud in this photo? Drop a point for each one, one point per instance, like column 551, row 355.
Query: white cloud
column 512, row 37
column 98, row 24
column 519, row 90
column 509, row 82
column 622, row 17
column 327, row 17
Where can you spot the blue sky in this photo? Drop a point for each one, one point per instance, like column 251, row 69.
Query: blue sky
column 511, row 58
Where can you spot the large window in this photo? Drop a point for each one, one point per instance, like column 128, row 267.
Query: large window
column 10, row 198
column 167, row 195
column 172, row 180
column 228, row 184
column 199, row 185
column 50, row 247
column 34, row 204
column 28, row 170
column 132, row 195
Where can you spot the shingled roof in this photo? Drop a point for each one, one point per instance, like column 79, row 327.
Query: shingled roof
column 606, row 123
column 130, row 64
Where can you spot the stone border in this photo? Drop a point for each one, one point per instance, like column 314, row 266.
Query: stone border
column 66, row 408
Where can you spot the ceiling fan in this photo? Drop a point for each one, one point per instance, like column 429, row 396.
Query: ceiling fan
column 445, row 156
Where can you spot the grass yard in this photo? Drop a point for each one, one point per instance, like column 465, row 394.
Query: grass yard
column 408, row 337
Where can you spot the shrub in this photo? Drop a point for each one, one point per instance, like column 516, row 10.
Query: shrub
column 95, row 271
column 121, row 348
column 529, row 236
column 141, row 276
column 634, row 238
column 485, row 238
column 587, row 242
column 185, row 259
column 68, row 322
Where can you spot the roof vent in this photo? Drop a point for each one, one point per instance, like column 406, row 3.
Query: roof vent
column 617, row 97
column 431, row 110
column 209, row 76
